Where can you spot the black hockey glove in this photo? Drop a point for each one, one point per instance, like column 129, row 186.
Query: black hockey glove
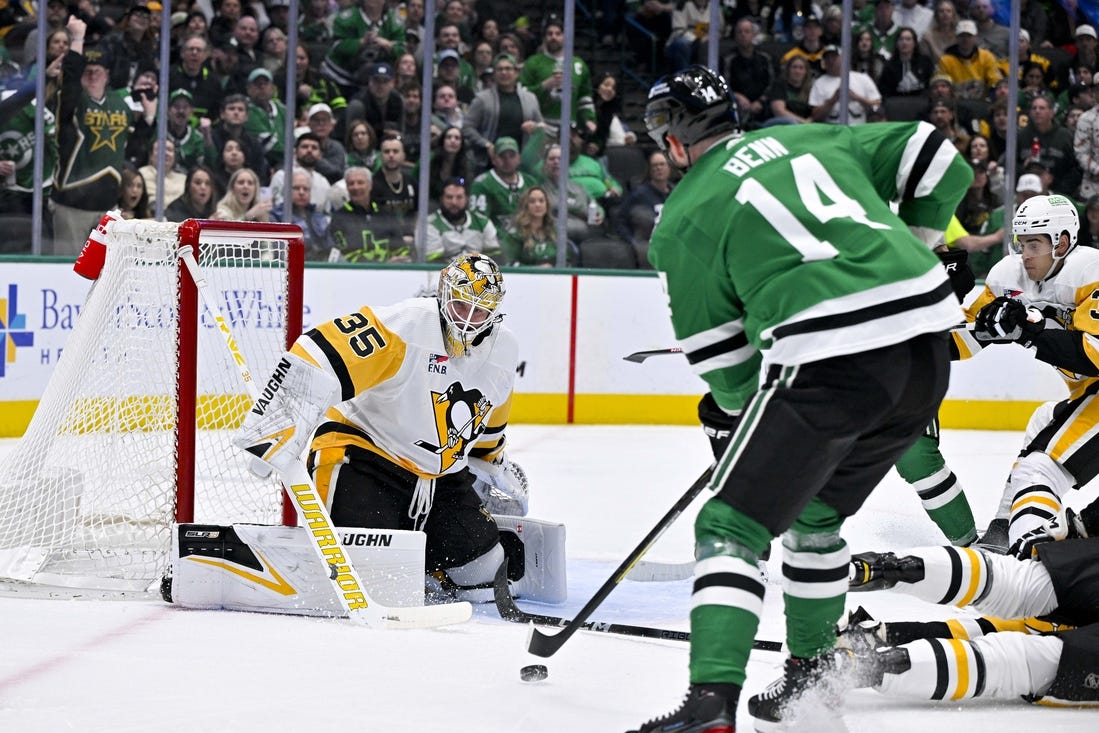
column 956, row 264
column 1005, row 320
column 717, row 424
column 1066, row 526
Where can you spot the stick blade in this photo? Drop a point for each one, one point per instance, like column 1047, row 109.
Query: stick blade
column 545, row 645
column 413, row 617
column 638, row 357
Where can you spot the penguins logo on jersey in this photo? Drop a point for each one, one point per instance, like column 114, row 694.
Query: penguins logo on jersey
column 460, row 416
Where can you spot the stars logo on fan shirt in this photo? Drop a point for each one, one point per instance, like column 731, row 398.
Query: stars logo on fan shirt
column 436, row 363
column 13, row 329
column 106, row 126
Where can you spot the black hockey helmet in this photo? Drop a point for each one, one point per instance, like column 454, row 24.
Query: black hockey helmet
column 691, row 104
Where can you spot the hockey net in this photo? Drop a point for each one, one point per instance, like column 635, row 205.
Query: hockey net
column 132, row 432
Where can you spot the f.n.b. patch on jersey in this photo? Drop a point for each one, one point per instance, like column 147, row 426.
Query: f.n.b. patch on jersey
column 436, row 363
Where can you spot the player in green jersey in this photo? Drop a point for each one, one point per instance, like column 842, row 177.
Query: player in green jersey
column 818, row 318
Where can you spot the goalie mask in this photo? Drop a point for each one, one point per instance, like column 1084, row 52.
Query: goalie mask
column 1049, row 215
column 471, row 289
column 690, row 105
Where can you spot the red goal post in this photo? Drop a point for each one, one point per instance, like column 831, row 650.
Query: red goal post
column 132, row 431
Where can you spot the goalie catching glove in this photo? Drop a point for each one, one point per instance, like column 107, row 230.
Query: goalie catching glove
column 502, row 485
column 1006, row 320
column 278, row 427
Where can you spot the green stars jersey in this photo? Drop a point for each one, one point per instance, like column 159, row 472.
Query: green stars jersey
column 491, row 196
column 17, row 145
column 781, row 246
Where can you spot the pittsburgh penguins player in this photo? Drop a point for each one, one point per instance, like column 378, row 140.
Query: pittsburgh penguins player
column 1045, row 297
column 412, row 395
column 1052, row 597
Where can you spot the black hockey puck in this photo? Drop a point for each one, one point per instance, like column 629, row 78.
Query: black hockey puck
column 534, row 673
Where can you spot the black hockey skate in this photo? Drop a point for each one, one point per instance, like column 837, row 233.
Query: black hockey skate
column 702, row 711
column 994, row 538
column 879, row 571
column 819, row 677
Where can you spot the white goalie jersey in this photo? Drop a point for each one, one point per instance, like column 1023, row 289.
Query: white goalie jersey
column 402, row 397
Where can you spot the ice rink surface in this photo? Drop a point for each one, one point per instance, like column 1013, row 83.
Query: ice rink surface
column 129, row 666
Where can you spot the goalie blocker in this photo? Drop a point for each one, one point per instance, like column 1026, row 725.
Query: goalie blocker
column 270, row 569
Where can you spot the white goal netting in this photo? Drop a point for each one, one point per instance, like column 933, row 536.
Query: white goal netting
column 88, row 497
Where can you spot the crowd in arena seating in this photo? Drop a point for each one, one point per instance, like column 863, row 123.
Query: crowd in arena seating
column 494, row 111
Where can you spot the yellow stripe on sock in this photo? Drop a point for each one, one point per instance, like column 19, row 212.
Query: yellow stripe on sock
column 961, row 656
column 974, row 575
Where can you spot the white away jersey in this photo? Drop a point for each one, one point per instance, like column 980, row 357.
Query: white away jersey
column 403, row 397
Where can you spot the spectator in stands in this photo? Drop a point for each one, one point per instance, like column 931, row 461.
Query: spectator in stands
column 789, row 94
column 495, row 193
column 314, row 88
column 132, row 48
column 513, row 46
column 943, row 31
column 333, row 155
column 1033, row 84
column 941, row 115
column 57, row 12
column 610, row 131
column 1086, row 147
column 193, row 75
column 690, row 33
column 972, row 69
column 199, row 197
column 174, row 177
column 406, row 71
column 242, row 200
column 230, row 125
column 481, row 60
column 1051, row 73
column 449, row 160
column 306, row 214
column 1054, row 145
column 446, row 110
column 363, row 34
column 230, row 159
column 810, row 46
column 266, row 116
column 543, row 74
column 273, row 49
column 990, row 34
column 994, row 127
column 883, row 29
column 356, row 230
column 454, row 13
column 315, row 31
column 979, row 152
column 636, row 217
column 488, row 29
column 862, row 92
column 379, row 104
column 1072, row 117
column 908, row 72
column 361, row 146
column 92, row 132
column 591, row 173
column 224, row 20
column 448, row 38
column 246, row 36
column 142, row 101
column 448, row 70
column 133, row 199
column 225, row 63
column 503, row 110
column 749, row 73
column 454, row 229
column 865, row 57
column 1086, row 52
column 577, row 200
column 1089, row 230
column 412, row 98
column 648, row 27
column 394, row 191
column 531, row 237
column 307, row 156
column 974, row 209
column 913, row 14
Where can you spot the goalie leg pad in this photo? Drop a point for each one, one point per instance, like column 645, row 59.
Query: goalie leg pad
column 536, row 558
column 469, row 582
column 247, row 567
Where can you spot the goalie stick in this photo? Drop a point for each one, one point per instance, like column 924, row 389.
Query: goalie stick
column 345, row 580
column 545, row 645
column 509, row 611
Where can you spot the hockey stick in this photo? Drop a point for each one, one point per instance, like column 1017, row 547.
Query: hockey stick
column 345, row 580
column 544, row 645
column 661, row 572
column 509, row 611
column 638, row 357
